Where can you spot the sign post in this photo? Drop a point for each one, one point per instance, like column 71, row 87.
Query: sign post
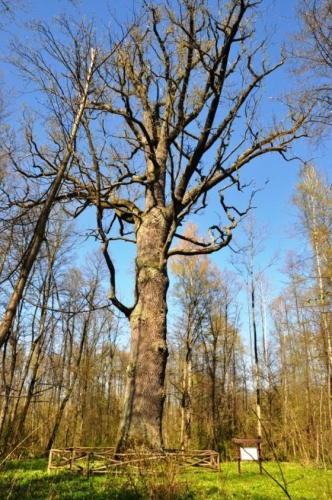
column 249, row 450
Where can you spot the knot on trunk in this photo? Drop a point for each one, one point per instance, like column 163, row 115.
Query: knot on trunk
column 161, row 348
column 131, row 370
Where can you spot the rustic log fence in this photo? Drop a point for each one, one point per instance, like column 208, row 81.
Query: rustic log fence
column 101, row 460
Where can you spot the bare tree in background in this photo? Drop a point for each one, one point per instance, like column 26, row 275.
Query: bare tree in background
column 312, row 58
column 47, row 201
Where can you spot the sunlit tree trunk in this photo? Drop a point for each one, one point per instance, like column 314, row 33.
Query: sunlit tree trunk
column 186, row 400
column 145, row 392
column 39, row 230
column 313, row 198
column 29, row 378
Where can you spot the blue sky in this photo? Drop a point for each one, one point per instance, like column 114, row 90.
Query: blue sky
column 273, row 202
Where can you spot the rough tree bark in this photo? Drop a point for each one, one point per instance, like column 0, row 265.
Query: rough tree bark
column 145, row 394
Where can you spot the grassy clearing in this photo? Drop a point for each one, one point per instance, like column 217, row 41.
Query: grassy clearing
column 30, row 480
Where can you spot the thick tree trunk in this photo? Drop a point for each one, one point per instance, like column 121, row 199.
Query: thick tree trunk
column 145, row 393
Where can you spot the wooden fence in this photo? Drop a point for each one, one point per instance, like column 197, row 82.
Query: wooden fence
column 102, row 460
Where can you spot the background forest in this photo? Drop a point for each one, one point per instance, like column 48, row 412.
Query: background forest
column 233, row 333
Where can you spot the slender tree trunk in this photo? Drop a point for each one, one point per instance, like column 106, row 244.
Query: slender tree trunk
column 186, row 397
column 71, row 377
column 324, row 320
column 32, row 364
column 257, row 373
column 145, row 393
column 40, row 228
column 214, row 406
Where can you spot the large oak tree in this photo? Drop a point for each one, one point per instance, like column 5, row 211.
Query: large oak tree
column 165, row 115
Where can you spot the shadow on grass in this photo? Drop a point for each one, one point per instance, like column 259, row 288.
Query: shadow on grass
column 28, row 479
column 34, row 464
column 21, row 480
column 63, row 486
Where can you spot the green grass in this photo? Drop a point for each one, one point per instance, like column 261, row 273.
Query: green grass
column 30, row 480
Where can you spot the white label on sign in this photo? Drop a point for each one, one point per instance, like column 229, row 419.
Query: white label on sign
column 249, row 453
